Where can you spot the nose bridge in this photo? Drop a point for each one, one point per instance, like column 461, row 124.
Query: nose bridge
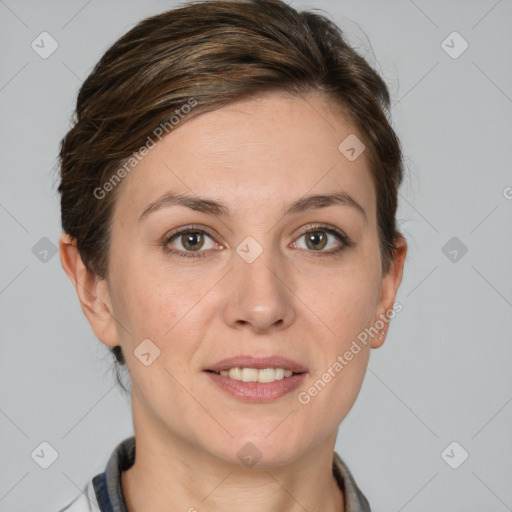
column 258, row 295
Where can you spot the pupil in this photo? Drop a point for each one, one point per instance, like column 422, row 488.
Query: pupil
column 317, row 239
column 191, row 240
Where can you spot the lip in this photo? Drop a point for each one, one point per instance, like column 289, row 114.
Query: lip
column 257, row 391
column 247, row 361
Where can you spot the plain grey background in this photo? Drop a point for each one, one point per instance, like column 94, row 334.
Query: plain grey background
column 442, row 376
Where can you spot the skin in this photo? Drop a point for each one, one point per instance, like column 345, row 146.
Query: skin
column 257, row 156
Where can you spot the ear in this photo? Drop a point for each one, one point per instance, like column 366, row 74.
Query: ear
column 92, row 292
column 390, row 283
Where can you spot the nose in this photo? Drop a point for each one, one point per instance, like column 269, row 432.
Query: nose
column 259, row 297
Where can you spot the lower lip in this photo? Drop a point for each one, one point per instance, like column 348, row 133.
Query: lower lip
column 258, row 391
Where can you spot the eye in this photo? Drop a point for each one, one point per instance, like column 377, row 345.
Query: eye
column 196, row 242
column 189, row 240
column 318, row 238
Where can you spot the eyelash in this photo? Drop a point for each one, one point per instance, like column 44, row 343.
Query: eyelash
column 340, row 236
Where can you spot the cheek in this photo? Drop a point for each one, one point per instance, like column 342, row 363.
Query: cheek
column 145, row 304
column 168, row 312
column 345, row 303
column 345, row 308
column 158, row 307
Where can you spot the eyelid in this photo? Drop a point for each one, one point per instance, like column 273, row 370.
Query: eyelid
column 328, row 228
column 191, row 227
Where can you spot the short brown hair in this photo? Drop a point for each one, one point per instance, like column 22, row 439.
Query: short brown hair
column 216, row 52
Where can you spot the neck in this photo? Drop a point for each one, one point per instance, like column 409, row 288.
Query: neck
column 170, row 473
column 148, row 489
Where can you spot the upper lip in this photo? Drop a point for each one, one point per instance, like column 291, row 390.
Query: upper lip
column 246, row 361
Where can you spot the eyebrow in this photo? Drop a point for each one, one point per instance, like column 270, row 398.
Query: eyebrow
column 217, row 208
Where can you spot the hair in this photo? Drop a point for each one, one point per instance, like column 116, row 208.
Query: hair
column 209, row 54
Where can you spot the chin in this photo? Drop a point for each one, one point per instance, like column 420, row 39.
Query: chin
column 266, row 450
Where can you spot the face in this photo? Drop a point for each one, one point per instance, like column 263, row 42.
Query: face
column 256, row 277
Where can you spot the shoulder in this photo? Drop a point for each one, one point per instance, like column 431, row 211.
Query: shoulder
column 85, row 502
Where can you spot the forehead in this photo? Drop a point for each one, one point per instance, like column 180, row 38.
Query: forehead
column 268, row 148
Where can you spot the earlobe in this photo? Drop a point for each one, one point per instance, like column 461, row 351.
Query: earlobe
column 378, row 339
column 390, row 284
column 92, row 291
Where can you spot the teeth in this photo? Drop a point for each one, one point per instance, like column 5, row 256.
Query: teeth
column 255, row 375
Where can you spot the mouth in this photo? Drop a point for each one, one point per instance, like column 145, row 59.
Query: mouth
column 261, row 370
column 262, row 375
column 256, row 385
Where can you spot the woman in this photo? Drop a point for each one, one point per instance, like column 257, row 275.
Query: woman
column 228, row 195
